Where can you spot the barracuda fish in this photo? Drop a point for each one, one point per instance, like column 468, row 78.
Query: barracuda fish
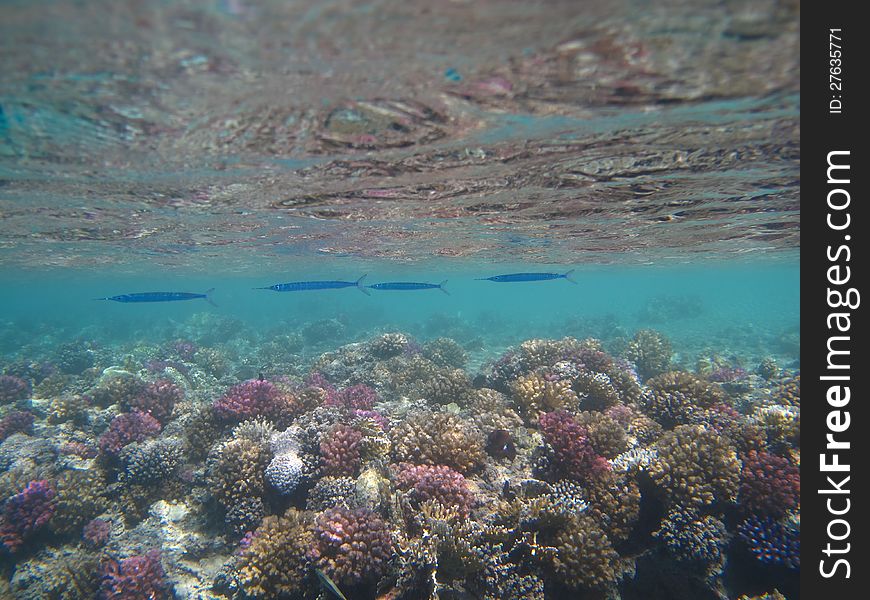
column 302, row 286
column 516, row 277
column 160, row 297
column 409, row 286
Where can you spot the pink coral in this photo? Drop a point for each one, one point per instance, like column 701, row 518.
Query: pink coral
column 572, row 452
column 439, row 483
column 13, row 389
column 135, row 578
column 26, row 512
column 340, row 451
column 250, row 399
column 127, row 428
column 352, row 546
column 96, row 533
column 76, row 448
column 769, row 484
column 157, row 399
column 379, row 419
column 360, row 397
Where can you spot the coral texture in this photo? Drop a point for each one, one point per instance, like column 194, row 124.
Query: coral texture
column 127, row 428
column 275, row 562
column 251, row 399
column 437, row 483
column 769, row 484
column 13, row 389
column 26, row 513
column 573, row 454
column 340, row 450
column 438, row 439
column 351, row 546
column 134, row 578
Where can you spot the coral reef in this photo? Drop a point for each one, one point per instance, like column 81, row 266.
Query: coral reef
column 157, row 399
column 769, row 484
column 351, row 546
column 439, row 438
column 691, row 537
column 13, row 389
column 445, row 352
column 127, row 428
column 573, row 454
column 534, row 394
column 675, row 396
column 651, row 353
column 140, row 576
column 388, row 345
column 275, row 563
column 696, row 466
column 584, row 556
column 26, row 513
column 251, row 399
column 355, row 397
column 771, row 540
column 16, row 421
column 607, row 436
column 285, row 472
column 340, row 451
column 435, row 483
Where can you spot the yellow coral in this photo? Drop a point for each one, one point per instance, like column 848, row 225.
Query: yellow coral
column 696, row 465
column 439, row 438
column 533, row 394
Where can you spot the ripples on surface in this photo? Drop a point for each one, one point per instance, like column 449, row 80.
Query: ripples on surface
column 200, row 133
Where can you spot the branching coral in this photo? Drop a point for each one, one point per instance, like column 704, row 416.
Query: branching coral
column 445, row 352
column 80, row 497
column 651, row 352
column 573, row 455
column 388, row 345
column 438, row 439
column 694, row 538
column 127, row 428
column 584, row 557
column 119, row 387
column 675, row 396
column 151, row 462
column 251, row 399
column 435, row 483
column 158, row 398
column 275, row 563
column 13, row 389
column 351, row 546
column 26, row 512
column 340, row 450
column 614, row 501
column 595, row 390
column 773, row 541
column 696, row 466
column 237, row 470
column 534, row 394
column 446, row 386
column 769, row 484
column 15, row 421
column 359, row 397
column 607, row 437
column 135, row 577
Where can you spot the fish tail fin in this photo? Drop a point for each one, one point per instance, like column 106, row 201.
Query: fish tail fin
column 442, row 288
column 361, row 287
column 567, row 275
column 208, row 297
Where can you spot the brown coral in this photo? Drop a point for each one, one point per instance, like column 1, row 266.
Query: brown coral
column 607, row 437
column 696, row 466
column 438, row 439
column 651, row 352
column 237, row 469
column 596, row 390
column 447, row 386
column 79, row 499
column 675, row 396
column 351, row 546
column 585, row 557
column 275, row 563
column 535, row 393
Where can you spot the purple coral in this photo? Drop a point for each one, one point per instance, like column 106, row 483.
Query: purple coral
column 440, row 483
column 26, row 512
column 127, row 428
column 13, row 389
column 14, row 422
column 769, row 484
column 96, row 533
column 250, row 399
column 379, row 419
column 340, row 451
column 360, row 397
column 573, row 454
column 157, row 399
column 352, row 546
column 138, row 577
column 184, row 349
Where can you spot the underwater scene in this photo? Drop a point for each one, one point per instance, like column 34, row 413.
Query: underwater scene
column 460, row 300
